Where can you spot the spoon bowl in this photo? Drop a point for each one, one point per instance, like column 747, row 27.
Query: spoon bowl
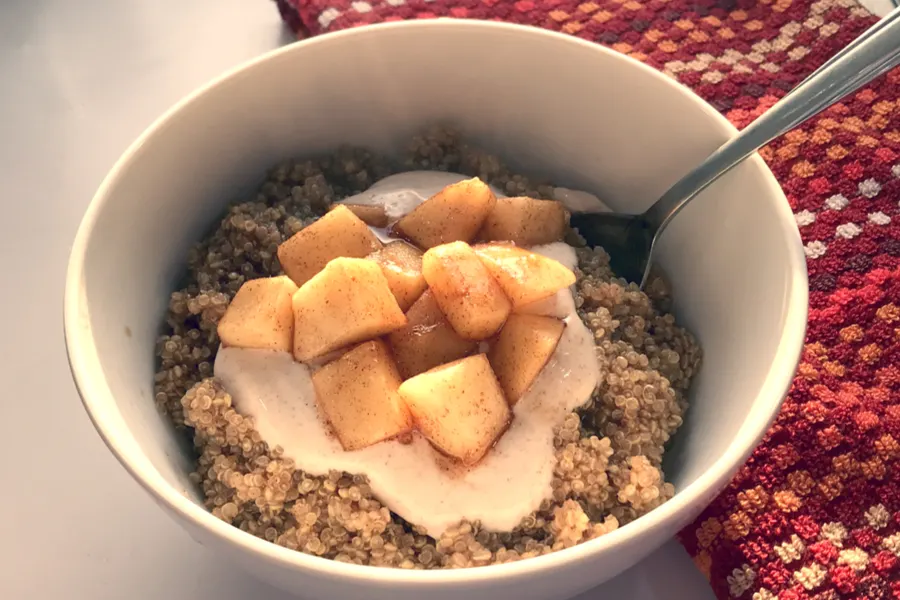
column 628, row 239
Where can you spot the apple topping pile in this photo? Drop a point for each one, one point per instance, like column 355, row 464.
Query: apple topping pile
column 433, row 333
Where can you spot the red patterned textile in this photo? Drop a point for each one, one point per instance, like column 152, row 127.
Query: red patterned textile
column 815, row 513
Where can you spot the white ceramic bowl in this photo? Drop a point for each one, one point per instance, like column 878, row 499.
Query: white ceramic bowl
column 553, row 104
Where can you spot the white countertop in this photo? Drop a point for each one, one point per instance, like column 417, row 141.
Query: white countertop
column 78, row 82
column 880, row 7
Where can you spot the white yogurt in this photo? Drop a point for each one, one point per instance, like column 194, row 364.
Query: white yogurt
column 401, row 193
column 507, row 485
column 578, row 201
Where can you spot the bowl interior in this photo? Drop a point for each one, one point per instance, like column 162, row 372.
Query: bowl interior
column 587, row 117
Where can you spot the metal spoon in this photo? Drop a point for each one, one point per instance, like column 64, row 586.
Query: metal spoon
column 631, row 239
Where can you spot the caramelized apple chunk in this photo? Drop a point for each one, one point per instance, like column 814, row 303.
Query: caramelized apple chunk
column 525, row 222
column 459, row 407
column 370, row 214
column 348, row 301
column 402, row 267
column 456, row 213
column 470, row 298
column 357, row 394
column 339, row 233
column 259, row 316
column 427, row 340
column 521, row 351
column 524, row 276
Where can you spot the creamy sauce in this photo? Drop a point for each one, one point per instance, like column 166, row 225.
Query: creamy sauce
column 401, row 193
column 578, row 201
column 515, row 475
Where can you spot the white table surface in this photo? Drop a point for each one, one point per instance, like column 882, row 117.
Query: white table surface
column 79, row 80
column 880, row 7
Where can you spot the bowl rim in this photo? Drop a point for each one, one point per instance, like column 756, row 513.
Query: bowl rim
column 86, row 371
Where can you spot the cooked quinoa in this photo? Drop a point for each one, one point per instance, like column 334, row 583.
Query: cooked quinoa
column 609, row 454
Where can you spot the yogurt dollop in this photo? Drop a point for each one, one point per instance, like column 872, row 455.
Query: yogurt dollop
column 508, row 484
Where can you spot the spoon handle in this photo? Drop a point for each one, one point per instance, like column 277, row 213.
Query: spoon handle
column 873, row 53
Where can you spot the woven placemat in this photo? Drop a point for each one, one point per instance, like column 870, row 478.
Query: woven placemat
column 815, row 513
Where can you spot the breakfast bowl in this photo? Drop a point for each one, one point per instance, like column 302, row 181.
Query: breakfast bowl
column 571, row 112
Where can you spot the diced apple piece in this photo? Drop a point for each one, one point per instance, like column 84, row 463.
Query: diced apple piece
column 427, row 340
column 557, row 305
column 459, row 407
column 456, row 213
column 470, row 298
column 402, row 266
column 524, row 346
column 357, row 393
column 339, row 233
column 348, row 301
column 525, row 222
column 370, row 214
column 524, row 276
column 259, row 316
